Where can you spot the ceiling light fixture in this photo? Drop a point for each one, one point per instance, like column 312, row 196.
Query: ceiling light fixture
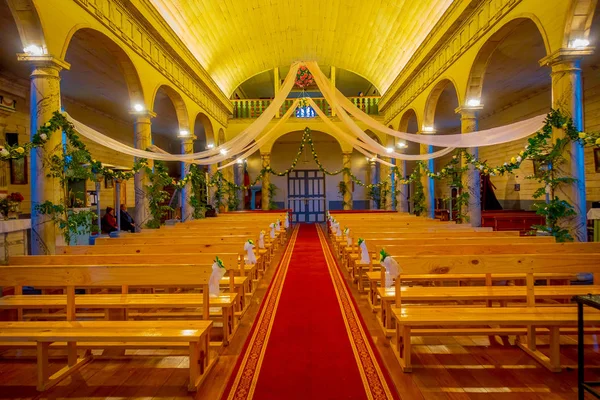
column 580, row 43
column 428, row 129
column 138, row 107
column 223, row 151
column 389, row 150
column 34, row 50
column 474, row 102
column 401, row 145
column 210, row 146
column 184, row 133
column 240, row 161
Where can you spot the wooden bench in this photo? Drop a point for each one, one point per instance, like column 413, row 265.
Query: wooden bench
column 457, row 248
column 120, row 306
column 194, row 334
column 491, row 320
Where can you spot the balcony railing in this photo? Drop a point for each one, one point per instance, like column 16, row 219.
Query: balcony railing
column 252, row 108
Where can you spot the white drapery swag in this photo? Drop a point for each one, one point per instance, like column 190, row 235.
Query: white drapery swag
column 243, row 142
column 215, row 280
column 250, row 257
column 392, row 270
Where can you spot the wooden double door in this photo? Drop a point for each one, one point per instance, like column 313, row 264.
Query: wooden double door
column 306, row 195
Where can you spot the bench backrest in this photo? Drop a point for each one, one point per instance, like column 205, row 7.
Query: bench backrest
column 72, row 276
column 527, row 264
column 378, row 243
column 151, row 249
column 173, row 239
column 230, row 260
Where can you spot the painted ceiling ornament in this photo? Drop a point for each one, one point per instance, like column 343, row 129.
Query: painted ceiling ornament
column 304, row 78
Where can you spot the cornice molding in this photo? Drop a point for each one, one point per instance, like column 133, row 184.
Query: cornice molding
column 484, row 17
column 137, row 34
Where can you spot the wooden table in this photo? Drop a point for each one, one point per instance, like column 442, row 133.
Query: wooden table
column 591, row 301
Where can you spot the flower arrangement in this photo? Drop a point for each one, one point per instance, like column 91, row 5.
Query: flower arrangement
column 304, row 78
column 15, row 197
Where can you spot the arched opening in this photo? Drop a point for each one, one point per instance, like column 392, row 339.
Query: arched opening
column 99, row 90
column 203, row 131
column 14, row 90
column 307, row 181
column 409, row 123
column 441, row 116
column 513, row 87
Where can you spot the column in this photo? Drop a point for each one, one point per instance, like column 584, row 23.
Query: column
column 212, row 169
column 332, row 79
column 266, row 180
column 402, row 205
column 5, row 112
column 369, row 179
column 187, row 147
column 228, row 177
column 44, row 100
column 428, row 183
column 239, row 180
column 471, row 179
column 347, row 165
column 386, row 172
column 567, row 97
column 276, row 87
column 142, row 127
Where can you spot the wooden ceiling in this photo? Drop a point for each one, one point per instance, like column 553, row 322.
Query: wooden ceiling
column 235, row 40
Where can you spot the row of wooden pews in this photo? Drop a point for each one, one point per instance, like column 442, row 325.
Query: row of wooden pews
column 146, row 290
column 460, row 280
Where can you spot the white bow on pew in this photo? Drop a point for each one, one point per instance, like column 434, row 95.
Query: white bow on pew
column 218, row 272
column 261, row 240
column 364, row 252
column 348, row 237
column 272, row 226
column 392, row 269
column 249, row 248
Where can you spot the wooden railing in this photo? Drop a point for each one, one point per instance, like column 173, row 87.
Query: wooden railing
column 253, row 108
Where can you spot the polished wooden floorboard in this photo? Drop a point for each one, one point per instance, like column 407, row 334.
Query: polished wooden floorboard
column 445, row 368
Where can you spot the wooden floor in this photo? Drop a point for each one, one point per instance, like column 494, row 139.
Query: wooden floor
column 445, row 367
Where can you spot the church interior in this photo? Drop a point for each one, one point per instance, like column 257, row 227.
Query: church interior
column 270, row 199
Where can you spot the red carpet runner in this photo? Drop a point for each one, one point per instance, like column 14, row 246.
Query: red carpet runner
column 308, row 341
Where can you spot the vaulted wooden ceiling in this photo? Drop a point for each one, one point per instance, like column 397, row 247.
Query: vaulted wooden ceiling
column 235, row 40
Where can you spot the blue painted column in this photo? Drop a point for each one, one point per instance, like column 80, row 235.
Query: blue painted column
column 44, row 101
column 567, row 97
column 430, row 190
column 471, row 179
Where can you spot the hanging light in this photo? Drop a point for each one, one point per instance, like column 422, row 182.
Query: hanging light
column 580, row 43
column 138, row 107
column 474, row 102
column 33, row 50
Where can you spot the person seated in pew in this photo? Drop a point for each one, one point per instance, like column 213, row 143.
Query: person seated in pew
column 127, row 222
column 109, row 222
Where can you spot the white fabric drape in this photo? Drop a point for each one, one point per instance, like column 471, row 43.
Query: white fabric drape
column 207, row 157
column 488, row 137
column 243, row 142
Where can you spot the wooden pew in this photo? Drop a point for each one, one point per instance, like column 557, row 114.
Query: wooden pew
column 500, row 320
column 226, row 302
column 195, row 335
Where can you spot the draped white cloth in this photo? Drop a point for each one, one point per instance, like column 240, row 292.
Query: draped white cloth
column 243, row 143
column 488, row 137
column 364, row 253
column 261, row 240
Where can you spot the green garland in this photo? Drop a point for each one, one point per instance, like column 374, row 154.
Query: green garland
column 155, row 191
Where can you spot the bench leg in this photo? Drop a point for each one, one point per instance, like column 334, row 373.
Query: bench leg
column 552, row 362
column 406, row 349
column 531, row 338
column 42, row 365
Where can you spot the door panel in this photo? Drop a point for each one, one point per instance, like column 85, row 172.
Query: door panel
column 306, row 195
